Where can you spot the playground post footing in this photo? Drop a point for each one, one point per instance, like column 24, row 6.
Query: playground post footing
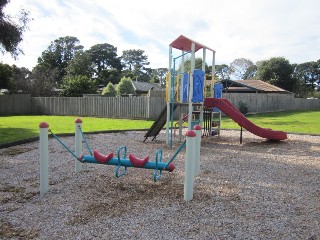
column 78, row 144
column 192, row 162
column 44, row 181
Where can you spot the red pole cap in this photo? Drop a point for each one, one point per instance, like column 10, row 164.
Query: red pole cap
column 197, row 127
column 78, row 120
column 43, row 125
column 191, row 133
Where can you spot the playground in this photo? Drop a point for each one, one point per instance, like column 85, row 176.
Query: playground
column 137, row 185
column 258, row 189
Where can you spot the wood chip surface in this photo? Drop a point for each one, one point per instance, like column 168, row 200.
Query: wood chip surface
column 257, row 190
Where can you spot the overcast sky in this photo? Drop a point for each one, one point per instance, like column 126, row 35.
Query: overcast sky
column 252, row 29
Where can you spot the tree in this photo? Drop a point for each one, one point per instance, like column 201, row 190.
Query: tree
column 222, row 72
column 277, row 71
column 239, row 67
column 76, row 86
column 42, row 81
column 197, row 63
column 6, row 76
column 250, row 72
column 308, row 75
column 21, row 80
column 81, row 65
column 11, row 31
column 106, row 63
column 160, row 74
column 109, row 90
column 125, row 86
column 134, row 62
column 58, row 55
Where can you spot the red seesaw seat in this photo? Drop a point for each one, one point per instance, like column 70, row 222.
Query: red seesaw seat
column 138, row 162
column 102, row 158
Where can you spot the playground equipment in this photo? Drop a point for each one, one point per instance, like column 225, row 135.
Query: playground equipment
column 231, row 111
column 182, row 88
column 119, row 160
column 191, row 91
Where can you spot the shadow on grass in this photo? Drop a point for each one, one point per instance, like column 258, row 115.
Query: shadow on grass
column 15, row 136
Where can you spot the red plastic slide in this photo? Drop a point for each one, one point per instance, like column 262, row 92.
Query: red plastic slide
column 227, row 108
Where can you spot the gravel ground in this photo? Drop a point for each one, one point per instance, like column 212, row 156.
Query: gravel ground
column 257, row 190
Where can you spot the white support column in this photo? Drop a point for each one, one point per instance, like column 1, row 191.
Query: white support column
column 169, row 96
column 78, row 144
column 191, row 85
column 189, row 165
column 44, row 157
column 213, row 69
column 204, row 60
column 204, row 84
column 198, row 130
column 181, row 82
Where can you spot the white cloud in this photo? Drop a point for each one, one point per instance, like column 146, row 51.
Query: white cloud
column 248, row 28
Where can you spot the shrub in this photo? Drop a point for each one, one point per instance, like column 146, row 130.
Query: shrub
column 76, row 86
column 125, row 86
column 243, row 108
column 109, row 91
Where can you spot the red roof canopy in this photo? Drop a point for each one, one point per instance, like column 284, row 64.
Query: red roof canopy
column 184, row 43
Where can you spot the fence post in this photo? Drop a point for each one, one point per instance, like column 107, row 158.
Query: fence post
column 78, row 144
column 198, row 131
column 189, row 165
column 44, row 156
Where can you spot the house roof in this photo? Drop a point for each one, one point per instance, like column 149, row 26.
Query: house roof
column 184, row 43
column 251, row 86
column 145, row 86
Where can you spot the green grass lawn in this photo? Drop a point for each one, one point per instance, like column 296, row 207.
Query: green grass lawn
column 13, row 128
column 291, row 122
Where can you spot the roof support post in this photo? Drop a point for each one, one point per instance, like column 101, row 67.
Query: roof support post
column 213, row 70
column 191, row 86
column 169, row 95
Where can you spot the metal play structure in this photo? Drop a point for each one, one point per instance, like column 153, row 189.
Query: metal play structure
column 184, row 89
column 190, row 85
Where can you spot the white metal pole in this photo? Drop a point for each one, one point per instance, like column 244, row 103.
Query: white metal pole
column 44, row 156
column 198, row 130
column 191, row 85
column 213, row 70
column 204, row 60
column 169, row 95
column 181, row 82
column 78, row 144
column 204, row 84
column 189, row 165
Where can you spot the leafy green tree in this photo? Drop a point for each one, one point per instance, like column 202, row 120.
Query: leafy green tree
column 76, row 86
column 43, row 81
column 58, row 55
column 11, row 31
column 197, row 63
column 21, row 79
column 308, row 75
column 160, row 73
column 109, row 90
column 250, row 72
column 277, row 71
column 81, row 65
column 223, row 72
column 135, row 62
column 106, row 63
column 125, row 86
column 6, row 76
column 239, row 67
